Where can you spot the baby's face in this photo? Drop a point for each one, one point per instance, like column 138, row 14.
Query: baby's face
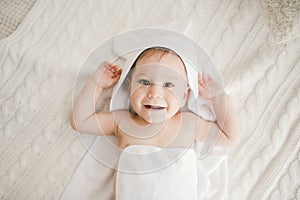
column 158, row 87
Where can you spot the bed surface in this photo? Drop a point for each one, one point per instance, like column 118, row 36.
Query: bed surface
column 12, row 13
column 255, row 45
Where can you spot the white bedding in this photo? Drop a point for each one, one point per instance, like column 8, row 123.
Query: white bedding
column 40, row 153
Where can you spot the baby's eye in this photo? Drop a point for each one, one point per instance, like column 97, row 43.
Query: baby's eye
column 169, row 85
column 144, row 82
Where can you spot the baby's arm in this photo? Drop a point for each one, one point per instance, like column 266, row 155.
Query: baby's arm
column 227, row 124
column 83, row 116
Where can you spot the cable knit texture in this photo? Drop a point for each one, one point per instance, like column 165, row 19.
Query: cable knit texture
column 284, row 18
column 12, row 13
column 39, row 63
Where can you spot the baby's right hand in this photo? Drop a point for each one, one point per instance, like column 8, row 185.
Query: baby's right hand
column 208, row 87
column 106, row 75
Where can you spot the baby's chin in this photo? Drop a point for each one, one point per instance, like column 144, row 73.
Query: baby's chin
column 155, row 117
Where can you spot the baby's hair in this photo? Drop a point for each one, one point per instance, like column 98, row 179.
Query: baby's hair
column 153, row 50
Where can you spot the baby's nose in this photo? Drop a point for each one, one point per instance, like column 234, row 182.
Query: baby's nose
column 155, row 91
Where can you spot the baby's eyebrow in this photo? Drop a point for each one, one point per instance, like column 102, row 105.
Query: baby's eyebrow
column 140, row 74
column 176, row 76
column 172, row 78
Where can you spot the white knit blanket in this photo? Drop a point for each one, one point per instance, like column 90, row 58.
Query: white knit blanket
column 12, row 13
column 39, row 63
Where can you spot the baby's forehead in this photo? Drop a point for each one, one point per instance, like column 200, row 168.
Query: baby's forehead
column 155, row 70
column 166, row 58
column 155, row 55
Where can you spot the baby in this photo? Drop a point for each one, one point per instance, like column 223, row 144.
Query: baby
column 158, row 88
column 158, row 92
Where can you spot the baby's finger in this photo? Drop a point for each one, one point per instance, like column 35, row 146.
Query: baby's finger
column 116, row 77
column 200, row 77
column 111, row 68
column 204, row 77
column 119, row 71
column 116, row 70
column 114, row 67
column 201, row 83
column 207, row 78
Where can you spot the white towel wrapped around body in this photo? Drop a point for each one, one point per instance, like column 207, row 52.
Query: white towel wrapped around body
column 150, row 172
column 91, row 176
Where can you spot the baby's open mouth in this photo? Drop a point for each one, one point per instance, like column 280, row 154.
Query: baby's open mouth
column 154, row 107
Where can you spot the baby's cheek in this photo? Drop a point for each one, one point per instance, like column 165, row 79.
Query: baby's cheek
column 173, row 98
column 179, row 93
column 136, row 90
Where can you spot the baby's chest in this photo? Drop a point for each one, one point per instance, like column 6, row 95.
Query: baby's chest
column 171, row 136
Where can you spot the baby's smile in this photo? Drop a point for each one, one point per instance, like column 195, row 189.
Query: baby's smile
column 154, row 107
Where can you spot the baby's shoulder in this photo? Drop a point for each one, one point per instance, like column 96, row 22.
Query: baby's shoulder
column 120, row 114
column 188, row 118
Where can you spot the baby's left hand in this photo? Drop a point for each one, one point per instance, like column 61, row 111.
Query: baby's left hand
column 208, row 87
